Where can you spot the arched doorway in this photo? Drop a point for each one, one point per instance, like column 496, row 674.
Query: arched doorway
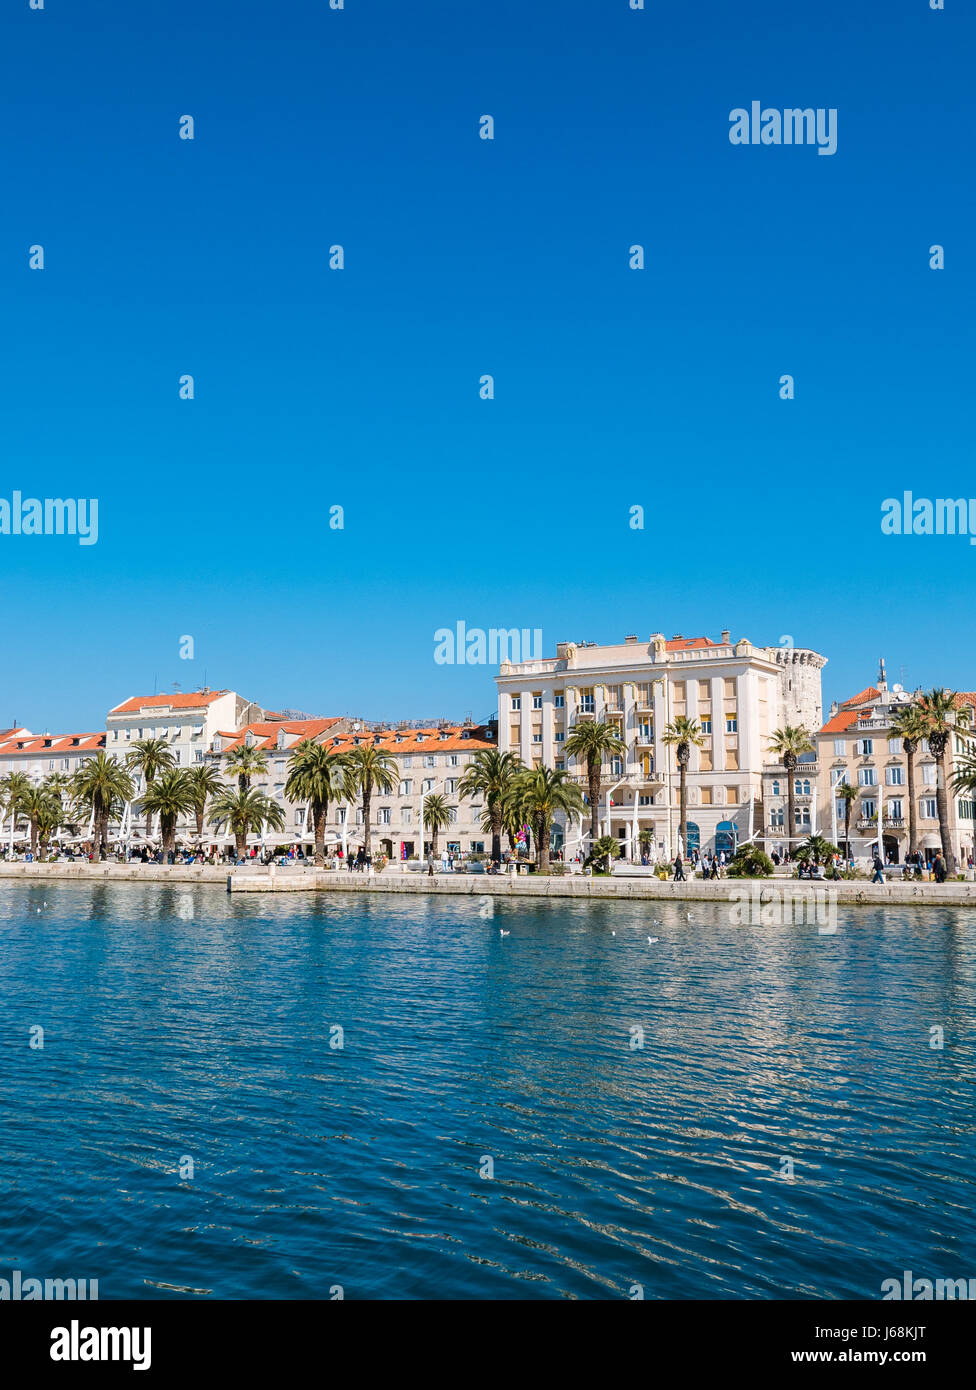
column 725, row 838
column 694, row 839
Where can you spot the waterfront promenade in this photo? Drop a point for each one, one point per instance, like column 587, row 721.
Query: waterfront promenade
column 855, row 892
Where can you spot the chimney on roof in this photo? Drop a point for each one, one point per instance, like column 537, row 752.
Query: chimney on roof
column 677, row 637
column 631, row 637
column 726, row 636
column 833, row 708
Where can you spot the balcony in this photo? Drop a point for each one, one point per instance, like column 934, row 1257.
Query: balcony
column 871, row 823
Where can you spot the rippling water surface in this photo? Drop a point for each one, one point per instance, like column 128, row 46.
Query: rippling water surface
column 183, row 1022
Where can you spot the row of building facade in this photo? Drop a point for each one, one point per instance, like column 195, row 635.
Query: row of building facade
column 737, row 693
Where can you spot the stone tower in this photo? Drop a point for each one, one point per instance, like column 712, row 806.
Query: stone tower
column 800, row 691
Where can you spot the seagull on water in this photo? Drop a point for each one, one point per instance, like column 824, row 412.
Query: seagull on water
column 651, row 940
column 503, row 932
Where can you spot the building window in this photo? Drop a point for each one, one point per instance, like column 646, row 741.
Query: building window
column 406, row 787
column 383, row 816
column 895, row 776
column 801, row 787
column 731, row 724
column 869, row 808
column 928, row 774
column 865, row 746
column 406, row 762
column 587, row 703
column 536, row 738
column 867, row 777
column 453, row 760
column 516, row 702
column 894, row 745
column 894, row 808
column 776, row 788
column 617, row 767
column 430, row 760
column 406, row 815
column 706, row 725
column 560, row 702
column 930, row 810
column 839, row 747
column 477, row 846
column 536, row 701
column 560, row 736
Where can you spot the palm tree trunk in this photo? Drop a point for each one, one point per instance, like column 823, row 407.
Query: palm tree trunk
column 433, row 842
column 683, row 800
column 168, row 831
column 594, row 768
column 367, row 798
column 790, row 806
column 33, row 830
column 847, row 828
column 318, row 829
column 200, row 814
column 909, row 747
column 240, row 843
column 543, row 838
column 496, row 837
column 942, row 806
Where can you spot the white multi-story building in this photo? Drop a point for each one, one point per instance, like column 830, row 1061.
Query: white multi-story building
column 737, row 693
column 188, row 722
column 429, row 761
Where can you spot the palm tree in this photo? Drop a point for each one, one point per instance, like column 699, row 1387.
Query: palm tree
column 149, row 757
column 489, row 775
column 370, row 769
column 244, row 811
column 43, row 809
column 909, row 724
column 848, row 795
column 789, row 744
column 645, row 840
column 817, row 848
column 606, row 848
column 538, row 793
column 204, row 782
column 683, row 734
column 316, row 776
column 170, row 796
column 13, row 788
column 436, row 815
column 591, row 742
column 102, row 786
column 942, row 716
column 244, row 763
column 964, row 780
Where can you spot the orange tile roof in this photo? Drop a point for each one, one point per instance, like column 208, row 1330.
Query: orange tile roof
column 410, row 740
column 195, row 699
column 50, row 743
column 870, row 694
column 679, row 644
column 266, row 732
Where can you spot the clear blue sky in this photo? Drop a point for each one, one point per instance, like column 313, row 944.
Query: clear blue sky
column 360, row 387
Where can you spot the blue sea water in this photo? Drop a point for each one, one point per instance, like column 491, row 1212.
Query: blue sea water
column 180, row 1022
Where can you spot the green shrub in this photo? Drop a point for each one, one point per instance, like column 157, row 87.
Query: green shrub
column 750, row 862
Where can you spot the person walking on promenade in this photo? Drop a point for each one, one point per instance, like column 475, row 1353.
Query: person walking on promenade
column 939, row 868
column 878, row 869
column 679, row 873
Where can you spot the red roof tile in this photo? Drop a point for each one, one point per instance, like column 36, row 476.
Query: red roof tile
column 195, row 699
column 29, row 744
